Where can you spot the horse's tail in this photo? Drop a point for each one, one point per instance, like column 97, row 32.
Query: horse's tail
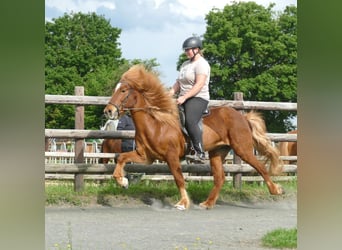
column 263, row 144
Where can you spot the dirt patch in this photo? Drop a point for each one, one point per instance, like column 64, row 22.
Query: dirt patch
column 122, row 201
column 118, row 201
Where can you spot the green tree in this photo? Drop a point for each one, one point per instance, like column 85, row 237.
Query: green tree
column 253, row 49
column 80, row 50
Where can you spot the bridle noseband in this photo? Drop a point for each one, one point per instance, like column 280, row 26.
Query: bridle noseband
column 122, row 104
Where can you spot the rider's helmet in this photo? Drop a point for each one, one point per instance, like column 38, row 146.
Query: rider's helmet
column 192, row 42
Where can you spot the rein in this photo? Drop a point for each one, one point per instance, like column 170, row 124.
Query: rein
column 147, row 109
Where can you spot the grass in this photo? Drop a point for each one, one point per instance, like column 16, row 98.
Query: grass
column 281, row 238
column 62, row 192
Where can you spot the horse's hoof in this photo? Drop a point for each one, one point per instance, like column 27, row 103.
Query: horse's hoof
column 180, row 207
column 124, row 182
column 280, row 190
column 204, row 205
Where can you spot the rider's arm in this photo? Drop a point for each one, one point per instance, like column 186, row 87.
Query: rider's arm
column 175, row 89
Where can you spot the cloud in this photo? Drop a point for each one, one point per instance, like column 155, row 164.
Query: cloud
column 150, row 15
column 196, row 9
column 83, row 6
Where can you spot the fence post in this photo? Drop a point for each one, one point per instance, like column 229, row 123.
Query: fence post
column 79, row 143
column 237, row 178
column 46, row 144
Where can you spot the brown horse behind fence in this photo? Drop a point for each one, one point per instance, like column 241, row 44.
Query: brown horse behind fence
column 158, row 134
column 288, row 148
column 110, row 146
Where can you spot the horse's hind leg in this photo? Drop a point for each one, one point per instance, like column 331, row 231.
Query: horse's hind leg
column 246, row 154
column 216, row 163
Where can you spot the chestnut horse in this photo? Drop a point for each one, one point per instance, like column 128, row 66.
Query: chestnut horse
column 288, row 148
column 158, row 134
column 110, row 146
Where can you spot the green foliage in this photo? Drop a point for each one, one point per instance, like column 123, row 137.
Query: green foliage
column 82, row 50
column 281, row 238
column 252, row 49
column 63, row 192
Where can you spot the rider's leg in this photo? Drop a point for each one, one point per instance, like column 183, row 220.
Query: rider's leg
column 194, row 108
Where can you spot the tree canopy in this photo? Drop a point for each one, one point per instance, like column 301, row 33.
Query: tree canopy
column 82, row 50
column 253, row 49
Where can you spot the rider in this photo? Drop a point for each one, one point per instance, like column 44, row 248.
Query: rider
column 192, row 85
column 126, row 123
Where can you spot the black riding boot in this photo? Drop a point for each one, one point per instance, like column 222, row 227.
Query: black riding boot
column 199, row 151
column 199, row 156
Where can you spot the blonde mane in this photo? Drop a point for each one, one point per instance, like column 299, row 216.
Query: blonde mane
column 161, row 106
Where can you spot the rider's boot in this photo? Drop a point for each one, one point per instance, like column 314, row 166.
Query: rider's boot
column 199, row 156
column 199, row 151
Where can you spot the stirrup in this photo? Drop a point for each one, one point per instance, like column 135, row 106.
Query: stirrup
column 196, row 158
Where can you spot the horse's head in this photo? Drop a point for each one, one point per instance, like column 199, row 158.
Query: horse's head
column 123, row 98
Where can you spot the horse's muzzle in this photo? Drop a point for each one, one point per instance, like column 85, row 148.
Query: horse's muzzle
column 111, row 112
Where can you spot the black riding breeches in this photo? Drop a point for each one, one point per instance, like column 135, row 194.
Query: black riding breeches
column 193, row 109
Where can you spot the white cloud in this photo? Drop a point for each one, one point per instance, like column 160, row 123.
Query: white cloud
column 196, row 8
column 83, row 6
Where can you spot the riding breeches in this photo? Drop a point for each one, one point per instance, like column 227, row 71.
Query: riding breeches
column 193, row 109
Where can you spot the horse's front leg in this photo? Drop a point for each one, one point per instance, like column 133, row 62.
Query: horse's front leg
column 118, row 173
column 176, row 170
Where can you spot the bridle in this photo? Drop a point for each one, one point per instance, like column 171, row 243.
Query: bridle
column 122, row 104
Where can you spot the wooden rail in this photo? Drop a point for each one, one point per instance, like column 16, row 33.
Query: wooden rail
column 79, row 134
column 102, row 100
column 152, row 168
column 122, row 134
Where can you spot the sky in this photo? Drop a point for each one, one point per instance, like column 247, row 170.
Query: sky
column 152, row 28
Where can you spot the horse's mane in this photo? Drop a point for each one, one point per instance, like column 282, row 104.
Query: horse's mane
column 161, row 105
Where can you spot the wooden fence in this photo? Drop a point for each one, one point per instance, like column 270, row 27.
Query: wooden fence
column 79, row 167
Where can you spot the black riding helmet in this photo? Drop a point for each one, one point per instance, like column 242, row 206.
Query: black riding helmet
column 192, row 42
